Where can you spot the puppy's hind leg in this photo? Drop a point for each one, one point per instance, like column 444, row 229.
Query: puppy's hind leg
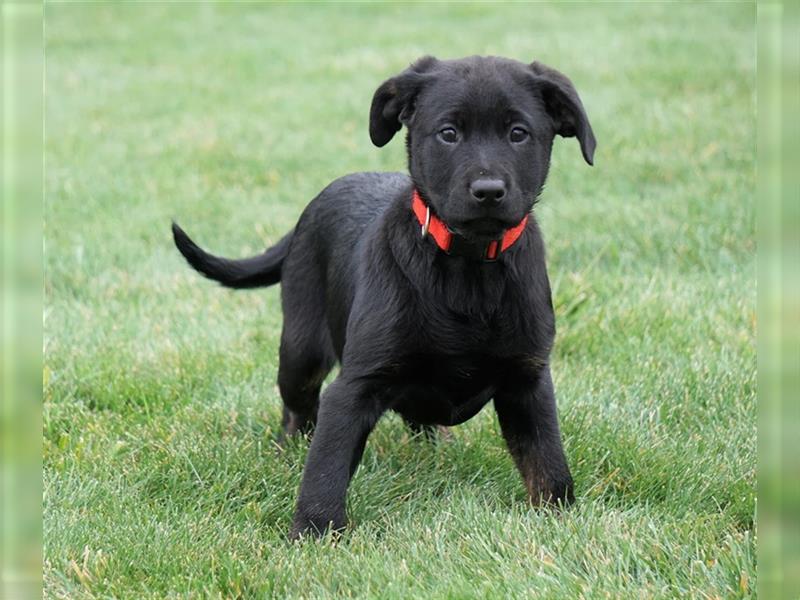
column 304, row 364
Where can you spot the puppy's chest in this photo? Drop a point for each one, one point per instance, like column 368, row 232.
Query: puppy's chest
column 461, row 372
column 453, row 334
column 436, row 388
column 443, row 371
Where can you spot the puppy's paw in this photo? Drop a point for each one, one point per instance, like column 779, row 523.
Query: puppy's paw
column 430, row 433
column 445, row 434
column 552, row 494
column 304, row 527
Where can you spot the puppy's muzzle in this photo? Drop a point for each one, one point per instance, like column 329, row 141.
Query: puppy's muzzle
column 487, row 193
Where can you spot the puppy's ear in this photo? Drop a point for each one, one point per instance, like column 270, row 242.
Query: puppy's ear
column 565, row 108
column 393, row 102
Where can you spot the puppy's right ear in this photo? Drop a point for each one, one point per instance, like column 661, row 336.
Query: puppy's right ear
column 393, row 102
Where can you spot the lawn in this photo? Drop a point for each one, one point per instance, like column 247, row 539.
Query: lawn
column 161, row 477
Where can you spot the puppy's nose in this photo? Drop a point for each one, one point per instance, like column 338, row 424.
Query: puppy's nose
column 488, row 192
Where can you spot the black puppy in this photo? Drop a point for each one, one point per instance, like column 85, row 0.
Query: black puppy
column 431, row 291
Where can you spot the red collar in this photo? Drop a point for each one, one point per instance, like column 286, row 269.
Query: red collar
column 454, row 244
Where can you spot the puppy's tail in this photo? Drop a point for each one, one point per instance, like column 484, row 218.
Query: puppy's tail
column 257, row 271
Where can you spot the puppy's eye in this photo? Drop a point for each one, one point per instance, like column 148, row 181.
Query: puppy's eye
column 448, row 135
column 518, row 135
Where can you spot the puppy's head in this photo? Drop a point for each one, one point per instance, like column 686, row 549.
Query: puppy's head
column 480, row 132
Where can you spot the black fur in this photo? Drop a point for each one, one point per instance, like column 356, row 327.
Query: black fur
column 431, row 336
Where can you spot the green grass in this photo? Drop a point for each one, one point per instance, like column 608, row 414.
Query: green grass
column 161, row 478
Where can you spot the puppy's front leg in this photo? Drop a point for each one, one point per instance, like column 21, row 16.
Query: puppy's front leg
column 529, row 421
column 346, row 417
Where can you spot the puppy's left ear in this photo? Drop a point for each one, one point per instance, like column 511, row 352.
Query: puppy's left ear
column 393, row 102
column 565, row 108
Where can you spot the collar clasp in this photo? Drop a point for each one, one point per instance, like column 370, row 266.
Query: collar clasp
column 427, row 224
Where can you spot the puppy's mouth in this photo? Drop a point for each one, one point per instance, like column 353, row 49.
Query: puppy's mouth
column 483, row 228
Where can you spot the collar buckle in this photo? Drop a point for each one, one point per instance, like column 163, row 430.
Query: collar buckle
column 427, row 224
